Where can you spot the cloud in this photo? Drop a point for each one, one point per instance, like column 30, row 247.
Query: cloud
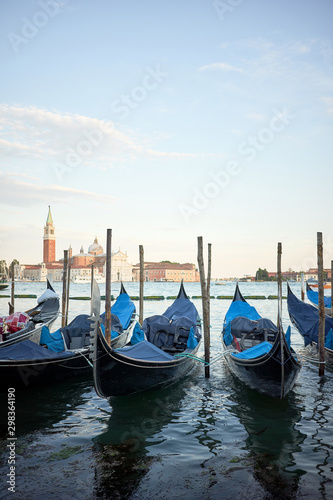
column 18, row 192
column 52, row 136
column 292, row 60
column 220, row 66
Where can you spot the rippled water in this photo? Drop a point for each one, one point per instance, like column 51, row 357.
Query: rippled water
column 198, row 439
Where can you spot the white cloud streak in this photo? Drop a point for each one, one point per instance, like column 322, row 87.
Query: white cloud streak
column 51, row 135
column 220, row 66
column 17, row 192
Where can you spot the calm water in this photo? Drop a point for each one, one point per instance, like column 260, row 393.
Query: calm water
column 198, row 439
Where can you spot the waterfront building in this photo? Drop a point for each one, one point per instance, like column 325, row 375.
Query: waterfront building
column 49, row 240
column 80, row 264
column 167, row 271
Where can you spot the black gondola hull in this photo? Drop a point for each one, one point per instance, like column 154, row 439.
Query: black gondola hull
column 23, row 374
column 117, row 375
column 266, row 374
column 31, row 373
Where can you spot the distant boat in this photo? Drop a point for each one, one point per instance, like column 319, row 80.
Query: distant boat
column 220, row 283
column 43, row 314
column 259, row 355
column 3, row 283
column 305, row 318
column 163, row 357
column 315, row 284
column 63, row 354
column 87, row 279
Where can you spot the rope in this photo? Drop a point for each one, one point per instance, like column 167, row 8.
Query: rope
column 88, row 360
column 201, row 360
column 313, row 360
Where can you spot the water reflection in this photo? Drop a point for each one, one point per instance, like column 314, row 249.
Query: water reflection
column 43, row 407
column 121, row 450
column 273, row 437
column 321, row 435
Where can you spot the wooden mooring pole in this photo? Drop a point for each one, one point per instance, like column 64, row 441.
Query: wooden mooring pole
column 142, row 277
column 205, row 305
column 279, row 318
column 92, row 279
column 12, row 293
column 302, row 287
column 67, row 292
column 209, row 273
column 321, row 305
column 108, row 287
column 279, row 256
column 64, row 289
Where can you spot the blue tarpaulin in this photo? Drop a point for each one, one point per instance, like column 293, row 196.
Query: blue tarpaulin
column 174, row 325
column 192, row 340
column 329, row 340
column 240, row 308
column 54, row 341
column 288, row 335
column 145, row 351
column 306, row 318
column 313, row 297
column 138, row 334
column 28, row 350
column 227, row 336
column 242, row 325
column 255, row 351
column 123, row 308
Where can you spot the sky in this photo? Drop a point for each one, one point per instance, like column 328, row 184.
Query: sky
column 168, row 120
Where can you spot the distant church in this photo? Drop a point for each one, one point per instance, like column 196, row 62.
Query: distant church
column 80, row 264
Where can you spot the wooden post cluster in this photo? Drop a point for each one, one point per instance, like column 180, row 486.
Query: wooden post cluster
column 108, row 287
column 205, row 287
column 321, row 305
column 64, row 290
column 142, row 268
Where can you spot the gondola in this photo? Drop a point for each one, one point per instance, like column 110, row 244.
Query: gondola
column 312, row 295
column 305, row 318
column 160, row 353
column 258, row 353
column 43, row 314
column 65, row 353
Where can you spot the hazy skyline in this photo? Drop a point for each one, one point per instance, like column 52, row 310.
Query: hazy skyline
column 165, row 121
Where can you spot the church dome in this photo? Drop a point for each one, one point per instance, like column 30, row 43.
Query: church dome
column 95, row 248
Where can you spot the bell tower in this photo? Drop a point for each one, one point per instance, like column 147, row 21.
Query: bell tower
column 49, row 240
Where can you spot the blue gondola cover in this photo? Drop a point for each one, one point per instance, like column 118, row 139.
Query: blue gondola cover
column 28, row 350
column 138, row 334
column 145, row 351
column 254, row 352
column 306, row 319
